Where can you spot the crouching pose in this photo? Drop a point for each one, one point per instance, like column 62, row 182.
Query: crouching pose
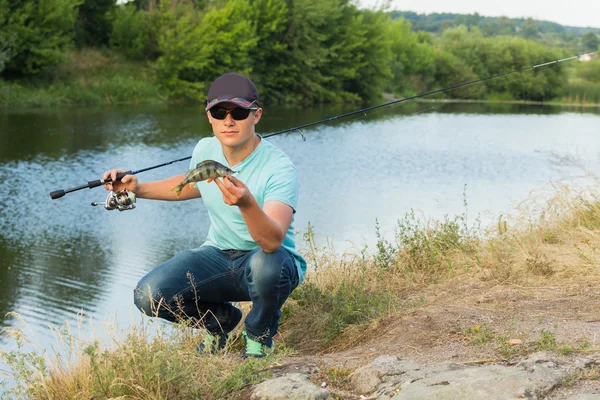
column 249, row 253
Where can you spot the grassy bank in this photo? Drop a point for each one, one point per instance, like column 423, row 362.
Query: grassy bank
column 550, row 241
column 88, row 77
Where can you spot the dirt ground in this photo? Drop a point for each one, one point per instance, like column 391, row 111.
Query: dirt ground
column 475, row 322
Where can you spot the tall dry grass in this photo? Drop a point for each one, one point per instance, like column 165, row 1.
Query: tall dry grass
column 552, row 238
column 143, row 361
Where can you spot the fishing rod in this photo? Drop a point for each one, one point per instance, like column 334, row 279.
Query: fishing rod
column 364, row 110
column 99, row 182
column 115, row 200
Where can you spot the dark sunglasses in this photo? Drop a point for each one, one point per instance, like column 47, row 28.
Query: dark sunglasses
column 237, row 113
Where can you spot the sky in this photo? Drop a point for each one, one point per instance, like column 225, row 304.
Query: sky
column 584, row 13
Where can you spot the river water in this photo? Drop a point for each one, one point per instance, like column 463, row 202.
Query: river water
column 59, row 258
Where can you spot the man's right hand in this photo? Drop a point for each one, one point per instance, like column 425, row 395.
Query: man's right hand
column 128, row 182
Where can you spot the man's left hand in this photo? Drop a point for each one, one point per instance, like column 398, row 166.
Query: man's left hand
column 235, row 193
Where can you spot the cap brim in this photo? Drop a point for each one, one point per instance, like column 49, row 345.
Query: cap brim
column 238, row 101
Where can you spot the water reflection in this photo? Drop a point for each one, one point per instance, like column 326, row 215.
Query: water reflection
column 64, row 132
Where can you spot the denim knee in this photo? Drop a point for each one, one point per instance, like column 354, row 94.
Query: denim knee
column 144, row 300
column 267, row 269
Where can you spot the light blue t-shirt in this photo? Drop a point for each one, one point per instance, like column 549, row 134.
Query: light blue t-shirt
column 269, row 175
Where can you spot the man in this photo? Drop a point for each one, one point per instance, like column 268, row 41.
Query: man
column 249, row 253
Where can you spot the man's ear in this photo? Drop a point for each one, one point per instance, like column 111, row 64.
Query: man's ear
column 257, row 115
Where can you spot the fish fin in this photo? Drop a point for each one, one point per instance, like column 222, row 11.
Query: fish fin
column 209, row 180
column 177, row 190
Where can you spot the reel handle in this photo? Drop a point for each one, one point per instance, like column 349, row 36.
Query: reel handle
column 91, row 184
column 99, row 182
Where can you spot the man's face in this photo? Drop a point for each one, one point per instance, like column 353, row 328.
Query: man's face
column 229, row 131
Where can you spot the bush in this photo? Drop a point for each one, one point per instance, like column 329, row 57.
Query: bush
column 198, row 45
column 35, row 34
column 135, row 33
column 492, row 56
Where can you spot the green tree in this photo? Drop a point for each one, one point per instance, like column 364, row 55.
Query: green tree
column 271, row 20
column 412, row 58
column 497, row 55
column 509, row 53
column 7, row 38
column 319, row 52
column 451, row 70
column 94, row 22
column 35, row 34
column 196, row 46
column 135, row 32
column 308, row 39
column 334, row 52
column 589, row 41
column 529, row 29
column 498, row 26
column 359, row 58
column 467, row 46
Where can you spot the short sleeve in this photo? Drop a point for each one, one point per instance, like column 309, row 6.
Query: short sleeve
column 283, row 186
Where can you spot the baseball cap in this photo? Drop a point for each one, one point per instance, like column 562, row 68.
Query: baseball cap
column 232, row 88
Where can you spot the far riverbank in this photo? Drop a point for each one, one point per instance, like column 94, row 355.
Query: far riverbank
column 93, row 77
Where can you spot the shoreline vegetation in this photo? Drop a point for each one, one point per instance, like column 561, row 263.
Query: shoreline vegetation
column 551, row 241
column 92, row 77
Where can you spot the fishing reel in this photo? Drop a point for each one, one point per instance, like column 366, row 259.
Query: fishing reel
column 122, row 201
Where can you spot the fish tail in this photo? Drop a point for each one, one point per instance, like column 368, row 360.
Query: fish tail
column 177, row 189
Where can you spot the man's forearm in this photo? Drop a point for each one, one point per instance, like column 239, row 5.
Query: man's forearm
column 162, row 190
column 265, row 231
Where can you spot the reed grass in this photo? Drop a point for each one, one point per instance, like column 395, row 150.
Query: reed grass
column 551, row 239
column 581, row 91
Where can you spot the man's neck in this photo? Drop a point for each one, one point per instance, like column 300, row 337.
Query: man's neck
column 236, row 155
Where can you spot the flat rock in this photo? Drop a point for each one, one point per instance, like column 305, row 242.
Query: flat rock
column 389, row 377
column 293, row 386
column 585, row 396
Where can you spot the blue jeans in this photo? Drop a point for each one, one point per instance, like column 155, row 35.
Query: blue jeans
column 199, row 284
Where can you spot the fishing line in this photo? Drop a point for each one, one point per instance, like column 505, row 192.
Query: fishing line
column 448, row 88
column 445, row 102
column 98, row 182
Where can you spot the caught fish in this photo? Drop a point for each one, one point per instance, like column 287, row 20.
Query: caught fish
column 207, row 170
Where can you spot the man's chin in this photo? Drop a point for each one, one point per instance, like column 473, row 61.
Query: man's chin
column 229, row 140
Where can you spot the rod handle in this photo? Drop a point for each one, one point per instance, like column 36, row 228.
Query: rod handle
column 57, row 194
column 98, row 182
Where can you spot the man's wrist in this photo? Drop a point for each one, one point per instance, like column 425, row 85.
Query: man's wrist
column 139, row 191
column 247, row 205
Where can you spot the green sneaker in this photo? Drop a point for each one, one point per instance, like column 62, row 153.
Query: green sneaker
column 256, row 349
column 212, row 344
